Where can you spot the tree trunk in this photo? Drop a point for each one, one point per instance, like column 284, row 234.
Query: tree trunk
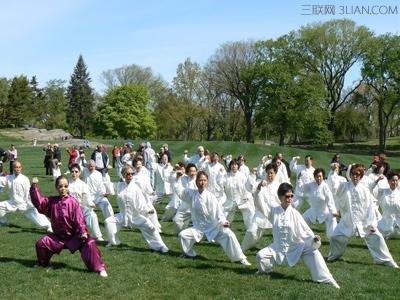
column 382, row 140
column 281, row 138
column 249, row 127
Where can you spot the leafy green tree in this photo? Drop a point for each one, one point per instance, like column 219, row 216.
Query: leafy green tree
column 331, row 49
column 54, row 95
column 124, row 113
column 292, row 97
column 81, row 101
column 19, row 106
column 4, row 87
column 135, row 74
column 354, row 122
column 38, row 102
column 380, row 69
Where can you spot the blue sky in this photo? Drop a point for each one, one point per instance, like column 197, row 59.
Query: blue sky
column 45, row 37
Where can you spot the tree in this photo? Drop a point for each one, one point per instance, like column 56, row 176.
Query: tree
column 38, row 102
column 80, row 98
column 19, row 105
column 187, row 87
column 233, row 72
column 291, row 96
column 332, row 49
column 4, row 87
column 380, row 69
column 135, row 74
column 124, row 113
column 54, row 95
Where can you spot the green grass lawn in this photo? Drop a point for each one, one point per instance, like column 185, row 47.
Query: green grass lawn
column 137, row 272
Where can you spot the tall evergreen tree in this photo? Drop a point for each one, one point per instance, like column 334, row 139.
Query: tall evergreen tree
column 4, row 89
column 19, row 105
column 80, row 99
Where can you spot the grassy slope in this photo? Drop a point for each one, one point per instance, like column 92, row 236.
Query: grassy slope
column 136, row 272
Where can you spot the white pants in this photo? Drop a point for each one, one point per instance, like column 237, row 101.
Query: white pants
column 375, row 242
column 92, row 222
column 146, row 227
column 330, row 222
column 105, row 206
column 247, row 213
column 225, row 237
column 251, row 237
column 312, row 259
column 29, row 211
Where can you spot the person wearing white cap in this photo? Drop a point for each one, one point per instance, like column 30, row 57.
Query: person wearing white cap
column 199, row 159
column 293, row 240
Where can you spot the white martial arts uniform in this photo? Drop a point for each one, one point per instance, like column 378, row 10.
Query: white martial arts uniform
column 143, row 182
column 182, row 217
column 333, row 181
column 20, row 200
column 199, row 161
column 322, row 205
column 162, row 174
column 356, row 206
column 213, row 170
column 97, row 190
column 264, row 199
column 303, row 174
column 237, row 189
column 208, row 219
column 293, row 239
column 134, row 211
column 80, row 191
column 389, row 202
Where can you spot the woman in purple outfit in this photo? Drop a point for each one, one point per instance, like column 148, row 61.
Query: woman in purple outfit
column 69, row 227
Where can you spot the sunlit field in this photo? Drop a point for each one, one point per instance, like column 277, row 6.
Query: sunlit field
column 135, row 272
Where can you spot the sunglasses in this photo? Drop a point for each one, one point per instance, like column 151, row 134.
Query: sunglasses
column 129, row 173
column 289, row 196
column 355, row 174
column 62, row 186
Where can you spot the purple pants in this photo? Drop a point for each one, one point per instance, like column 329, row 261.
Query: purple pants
column 50, row 244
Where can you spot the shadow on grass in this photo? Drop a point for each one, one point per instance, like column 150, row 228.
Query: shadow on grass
column 24, row 229
column 31, row 263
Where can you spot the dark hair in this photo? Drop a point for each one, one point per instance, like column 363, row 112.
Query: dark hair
column 59, row 179
column 190, row 165
column 319, row 170
column 272, row 166
column 233, row 162
column 284, row 188
column 391, row 174
column 308, row 156
column 240, row 157
column 76, row 166
column 201, row 173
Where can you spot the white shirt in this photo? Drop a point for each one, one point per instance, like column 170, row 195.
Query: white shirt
column 80, row 191
column 303, row 174
column 235, row 188
column 95, row 183
column 207, row 212
column 161, row 179
column 291, row 234
column 19, row 190
column 389, row 201
column 320, row 199
column 213, row 170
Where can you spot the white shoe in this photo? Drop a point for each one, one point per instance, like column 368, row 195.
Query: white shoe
column 100, row 239
column 334, row 283
column 245, row 262
column 103, row 274
column 164, row 250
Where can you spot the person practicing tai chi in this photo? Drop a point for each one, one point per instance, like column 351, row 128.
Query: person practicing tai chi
column 320, row 199
column 70, row 231
column 20, row 200
column 293, row 239
column 134, row 211
column 208, row 220
column 356, row 206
